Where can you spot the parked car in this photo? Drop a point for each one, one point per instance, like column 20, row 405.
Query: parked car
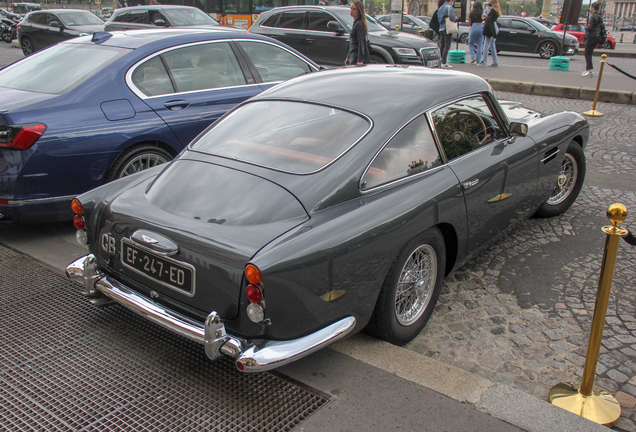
column 410, row 23
column 527, row 35
column 322, row 34
column 24, row 8
column 113, row 104
column 153, row 16
column 311, row 211
column 45, row 28
column 627, row 28
column 463, row 31
column 426, row 19
column 546, row 22
column 578, row 31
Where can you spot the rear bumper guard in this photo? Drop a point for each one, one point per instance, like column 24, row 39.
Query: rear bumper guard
column 250, row 355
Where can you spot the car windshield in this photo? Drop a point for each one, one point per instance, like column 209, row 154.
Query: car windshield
column 79, row 18
column 539, row 26
column 64, row 66
column 372, row 24
column 295, row 137
column 188, row 17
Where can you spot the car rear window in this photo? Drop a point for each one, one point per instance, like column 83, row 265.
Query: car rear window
column 64, row 66
column 79, row 18
column 296, row 137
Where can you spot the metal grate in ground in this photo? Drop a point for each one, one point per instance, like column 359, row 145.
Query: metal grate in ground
column 67, row 366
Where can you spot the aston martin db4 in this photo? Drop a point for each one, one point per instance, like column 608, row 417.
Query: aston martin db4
column 320, row 208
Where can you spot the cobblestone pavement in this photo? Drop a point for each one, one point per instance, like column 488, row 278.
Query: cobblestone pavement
column 520, row 313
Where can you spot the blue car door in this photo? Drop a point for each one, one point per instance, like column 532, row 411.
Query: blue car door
column 191, row 86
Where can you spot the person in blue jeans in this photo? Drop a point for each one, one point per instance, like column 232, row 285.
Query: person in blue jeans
column 445, row 39
column 490, row 34
column 476, row 35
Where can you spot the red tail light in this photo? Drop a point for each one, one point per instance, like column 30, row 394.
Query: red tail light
column 254, row 293
column 79, row 222
column 20, row 137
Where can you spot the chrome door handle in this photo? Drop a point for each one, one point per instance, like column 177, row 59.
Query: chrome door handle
column 176, row 105
column 469, row 184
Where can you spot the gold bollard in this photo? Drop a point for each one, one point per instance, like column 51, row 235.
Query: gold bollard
column 397, row 27
column 595, row 113
column 584, row 399
column 419, row 31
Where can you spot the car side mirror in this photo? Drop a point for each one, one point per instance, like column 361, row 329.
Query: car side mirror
column 54, row 24
column 532, row 30
column 335, row 26
column 160, row 23
column 519, row 129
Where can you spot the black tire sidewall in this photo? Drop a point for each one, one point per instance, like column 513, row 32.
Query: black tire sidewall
column 376, row 59
column 549, row 210
column 386, row 324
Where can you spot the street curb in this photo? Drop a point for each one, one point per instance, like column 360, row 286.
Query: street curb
column 567, row 92
column 498, row 400
column 611, row 53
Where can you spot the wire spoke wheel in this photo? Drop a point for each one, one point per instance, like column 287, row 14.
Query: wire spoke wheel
column 566, row 180
column 416, row 285
column 142, row 162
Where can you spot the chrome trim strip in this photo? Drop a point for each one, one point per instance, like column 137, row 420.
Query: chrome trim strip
column 142, row 95
column 553, row 154
column 40, row 200
column 253, row 355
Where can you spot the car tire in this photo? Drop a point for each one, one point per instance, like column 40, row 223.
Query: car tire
column 6, row 35
column 563, row 195
column 398, row 318
column 463, row 38
column 137, row 159
column 548, row 50
column 375, row 58
column 26, row 45
column 607, row 45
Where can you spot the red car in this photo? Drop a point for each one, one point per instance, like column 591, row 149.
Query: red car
column 578, row 30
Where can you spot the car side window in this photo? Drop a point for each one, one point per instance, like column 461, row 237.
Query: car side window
column 152, row 78
column 504, row 23
column 37, row 18
column 271, row 21
column 465, row 126
column 274, row 63
column 154, row 15
column 411, row 151
column 407, row 21
column 138, row 17
column 520, row 25
column 318, row 21
column 292, row 20
column 204, row 67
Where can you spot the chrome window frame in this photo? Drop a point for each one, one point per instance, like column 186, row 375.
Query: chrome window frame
column 431, row 124
column 293, row 100
column 137, row 91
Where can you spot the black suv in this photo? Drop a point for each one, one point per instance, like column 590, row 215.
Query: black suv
column 322, row 34
column 527, row 35
column 153, row 16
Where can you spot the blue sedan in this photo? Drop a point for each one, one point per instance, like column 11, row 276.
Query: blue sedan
column 94, row 109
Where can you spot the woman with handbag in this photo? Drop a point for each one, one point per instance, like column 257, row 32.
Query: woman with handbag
column 446, row 18
column 490, row 34
column 358, row 48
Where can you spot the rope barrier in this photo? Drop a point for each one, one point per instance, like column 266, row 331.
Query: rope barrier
column 630, row 238
column 621, row 71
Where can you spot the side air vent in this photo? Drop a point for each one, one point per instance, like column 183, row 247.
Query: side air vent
column 550, row 155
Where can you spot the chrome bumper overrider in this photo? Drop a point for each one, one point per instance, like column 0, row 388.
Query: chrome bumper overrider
column 250, row 355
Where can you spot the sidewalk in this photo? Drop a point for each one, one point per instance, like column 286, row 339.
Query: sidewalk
column 615, row 88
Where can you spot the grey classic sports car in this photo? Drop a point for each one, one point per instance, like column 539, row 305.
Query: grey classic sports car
column 320, row 208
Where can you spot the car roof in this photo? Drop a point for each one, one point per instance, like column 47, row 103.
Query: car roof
column 414, row 89
column 157, row 6
column 60, row 10
column 137, row 38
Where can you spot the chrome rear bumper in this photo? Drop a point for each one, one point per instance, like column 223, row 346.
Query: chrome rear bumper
column 250, row 355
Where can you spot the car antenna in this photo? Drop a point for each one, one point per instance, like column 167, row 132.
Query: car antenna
column 101, row 37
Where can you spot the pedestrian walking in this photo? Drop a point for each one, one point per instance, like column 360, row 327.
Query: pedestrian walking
column 445, row 38
column 491, row 28
column 593, row 31
column 358, row 47
column 476, row 35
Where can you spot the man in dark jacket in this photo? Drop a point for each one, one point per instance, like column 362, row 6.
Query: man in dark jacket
column 592, row 38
